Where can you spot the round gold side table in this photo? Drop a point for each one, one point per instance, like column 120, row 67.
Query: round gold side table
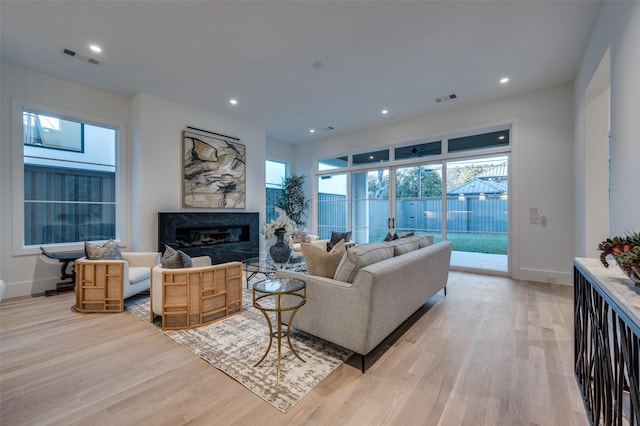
column 288, row 295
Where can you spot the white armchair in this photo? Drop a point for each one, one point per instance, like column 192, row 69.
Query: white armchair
column 102, row 285
column 195, row 296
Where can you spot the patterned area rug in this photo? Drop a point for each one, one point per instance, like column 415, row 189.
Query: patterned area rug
column 233, row 345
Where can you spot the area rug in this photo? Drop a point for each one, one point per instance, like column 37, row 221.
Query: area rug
column 233, row 345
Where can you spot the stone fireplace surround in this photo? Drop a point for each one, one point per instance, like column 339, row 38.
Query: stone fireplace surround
column 224, row 237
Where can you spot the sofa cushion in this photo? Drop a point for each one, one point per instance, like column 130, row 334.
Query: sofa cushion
column 172, row 258
column 108, row 251
column 424, row 240
column 138, row 273
column 403, row 245
column 337, row 236
column 320, row 262
column 360, row 256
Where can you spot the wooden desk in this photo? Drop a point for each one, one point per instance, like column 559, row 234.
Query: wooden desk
column 65, row 258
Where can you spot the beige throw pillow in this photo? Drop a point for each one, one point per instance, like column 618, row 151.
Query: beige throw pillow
column 320, row 262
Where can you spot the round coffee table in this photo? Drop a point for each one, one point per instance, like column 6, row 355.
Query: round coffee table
column 285, row 294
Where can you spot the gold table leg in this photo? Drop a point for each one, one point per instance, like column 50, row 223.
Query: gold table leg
column 278, row 334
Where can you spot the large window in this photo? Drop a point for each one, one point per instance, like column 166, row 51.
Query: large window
column 69, row 186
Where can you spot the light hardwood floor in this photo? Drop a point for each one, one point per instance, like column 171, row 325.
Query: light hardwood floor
column 494, row 351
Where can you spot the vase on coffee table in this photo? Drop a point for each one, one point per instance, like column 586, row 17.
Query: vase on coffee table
column 280, row 251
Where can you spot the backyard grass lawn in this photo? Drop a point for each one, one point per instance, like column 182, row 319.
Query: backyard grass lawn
column 475, row 242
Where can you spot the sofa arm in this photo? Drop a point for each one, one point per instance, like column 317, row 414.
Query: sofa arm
column 99, row 285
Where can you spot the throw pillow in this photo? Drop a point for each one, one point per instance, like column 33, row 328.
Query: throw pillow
column 360, row 256
column 172, row 258
column 407, row 234
column 108, row 251
column 336, row 237
column 390, row 237
column 322, row 263
column 186, row 259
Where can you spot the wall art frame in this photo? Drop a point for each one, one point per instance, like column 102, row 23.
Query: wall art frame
column 213, row 170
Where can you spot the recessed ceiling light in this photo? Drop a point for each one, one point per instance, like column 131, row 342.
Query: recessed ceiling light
column 233, row 101
column 95, row 48
column 384, row 111
column 504, row 80
column 312, row 130
column 501, row 137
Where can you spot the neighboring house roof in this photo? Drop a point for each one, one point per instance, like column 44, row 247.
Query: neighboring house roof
column 479, row 186
column 499, row 171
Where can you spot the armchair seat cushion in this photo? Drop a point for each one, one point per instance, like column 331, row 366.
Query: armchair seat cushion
column 139, row 273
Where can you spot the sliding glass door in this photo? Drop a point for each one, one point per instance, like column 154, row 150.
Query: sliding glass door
column 332, row 204
column 370, row 205
column 477, row 212
column 418, row 200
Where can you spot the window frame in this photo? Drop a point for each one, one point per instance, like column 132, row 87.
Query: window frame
column 122, row 191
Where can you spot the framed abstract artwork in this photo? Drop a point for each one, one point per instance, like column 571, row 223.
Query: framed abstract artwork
column 214, row 171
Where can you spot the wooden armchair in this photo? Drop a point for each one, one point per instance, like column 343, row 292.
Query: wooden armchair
column 191, row 297
column 102, row 285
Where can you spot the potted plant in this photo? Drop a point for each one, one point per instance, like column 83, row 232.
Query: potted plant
column 292, row 201
column 626, row 251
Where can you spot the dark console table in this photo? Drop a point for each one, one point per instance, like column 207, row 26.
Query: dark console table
column 64, row 257
column 607, row 342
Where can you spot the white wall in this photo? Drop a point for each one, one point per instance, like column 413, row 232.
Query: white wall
column 542, row 169
column 153, row 144
column 157, row 159
column 617, row 28
column 281, row 151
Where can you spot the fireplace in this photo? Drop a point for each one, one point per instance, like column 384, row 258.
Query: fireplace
column 224, row 237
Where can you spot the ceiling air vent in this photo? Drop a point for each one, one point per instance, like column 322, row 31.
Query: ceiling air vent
column 446, row 98
column 81, row 57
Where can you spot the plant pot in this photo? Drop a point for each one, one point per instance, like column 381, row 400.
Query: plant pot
column 280, row 250
column 633, row 274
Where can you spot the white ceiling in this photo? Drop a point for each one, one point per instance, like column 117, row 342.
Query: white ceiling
column 398, row 55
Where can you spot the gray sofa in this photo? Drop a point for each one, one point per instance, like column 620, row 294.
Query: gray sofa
column 358, row 315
